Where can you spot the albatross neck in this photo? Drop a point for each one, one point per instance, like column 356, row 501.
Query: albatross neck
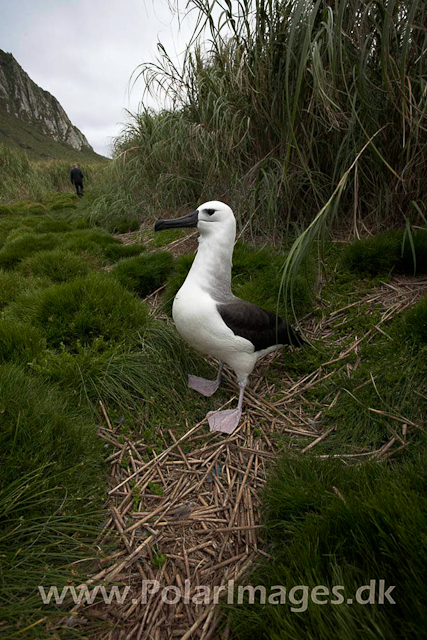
column 211, row 269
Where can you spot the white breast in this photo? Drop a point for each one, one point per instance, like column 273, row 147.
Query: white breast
column 198, row 322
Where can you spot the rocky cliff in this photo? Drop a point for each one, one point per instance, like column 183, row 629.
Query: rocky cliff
column 21, row 98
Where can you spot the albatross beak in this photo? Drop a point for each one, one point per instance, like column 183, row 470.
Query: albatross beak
column 189, row 220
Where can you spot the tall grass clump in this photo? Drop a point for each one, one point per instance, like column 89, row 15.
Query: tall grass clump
column 392, row 250
column 99, row 244
column 13, row 283
column 19, row 342
column 51, row 477
column 144, row 274
column 21, row 247
column 335, row 525
column 47, row 536
column 86, row 309
column 274, row 106
column 57, row 265
column 146, row 377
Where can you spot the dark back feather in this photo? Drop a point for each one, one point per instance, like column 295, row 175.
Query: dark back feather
column 263, row 328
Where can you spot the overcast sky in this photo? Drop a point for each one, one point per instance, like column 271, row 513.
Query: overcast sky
column 84, row 53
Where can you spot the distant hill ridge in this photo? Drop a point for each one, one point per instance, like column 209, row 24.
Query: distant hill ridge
column 33, row 119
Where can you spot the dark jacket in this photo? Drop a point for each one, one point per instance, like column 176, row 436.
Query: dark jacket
column 76, row 176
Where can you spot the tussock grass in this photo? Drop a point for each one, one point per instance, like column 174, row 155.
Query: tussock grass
column 46, row 537
column 16, row 250
column 35, row 208
column 320, row 537
column 13, row 223
column 84, row 310
column 144, row 274
column 51, row 474
column 19, row 342
column 57, row 265
column 393, row 250
column 144, row 378
column 99, row 243
column 272, row 110
column 39, row 426
column 415, row 323
column 13, row 283
column 64, row 204
column 23, row 179
column 50, row 225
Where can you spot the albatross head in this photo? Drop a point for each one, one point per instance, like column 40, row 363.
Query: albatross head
column 209, row 216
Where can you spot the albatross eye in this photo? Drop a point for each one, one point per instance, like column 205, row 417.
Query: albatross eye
column 210, row 212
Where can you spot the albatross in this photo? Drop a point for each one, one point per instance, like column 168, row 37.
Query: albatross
column 214, row 321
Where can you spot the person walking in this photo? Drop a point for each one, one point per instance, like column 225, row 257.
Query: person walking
column 77, row 179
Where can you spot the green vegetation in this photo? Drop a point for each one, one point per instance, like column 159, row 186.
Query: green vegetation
column 19, row 248
column 81, row 311
column 144, row 274
column 70, row 336
column 19, row 341
column 415, row 322
column 22, row 178
column 331, row 525
column 19, row 135
column 57, row 265
column 272, row 109
column 300, row 115
column 99, row 244
column 51, row 474
column 345, row 522
column 13, row 283
column 393, row 250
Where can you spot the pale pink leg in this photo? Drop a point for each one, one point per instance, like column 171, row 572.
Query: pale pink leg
column 203, row 386
column 227, row 420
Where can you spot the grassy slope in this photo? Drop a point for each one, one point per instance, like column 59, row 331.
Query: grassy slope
column 21, row 135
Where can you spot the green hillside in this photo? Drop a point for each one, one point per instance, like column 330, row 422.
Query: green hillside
column 18, row 134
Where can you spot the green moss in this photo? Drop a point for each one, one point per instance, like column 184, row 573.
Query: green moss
column 144, row 274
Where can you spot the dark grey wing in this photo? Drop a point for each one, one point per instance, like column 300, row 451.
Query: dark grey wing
column 263, row 328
